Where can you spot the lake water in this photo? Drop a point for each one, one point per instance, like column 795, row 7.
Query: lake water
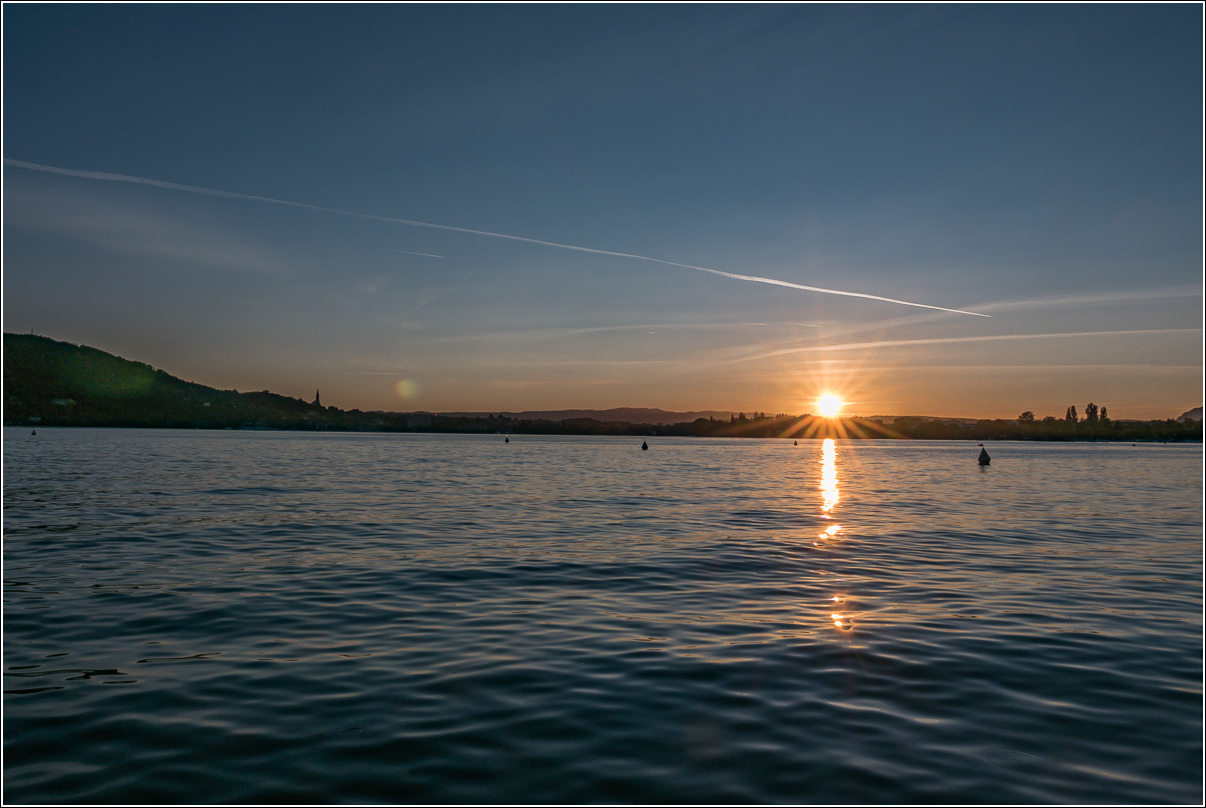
column 260, row 616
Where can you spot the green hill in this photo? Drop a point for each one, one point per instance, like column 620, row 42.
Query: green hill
column 56, row 383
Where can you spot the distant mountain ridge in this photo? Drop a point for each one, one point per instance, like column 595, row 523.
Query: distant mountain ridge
column 1191, row 415
column 632, row 415
column 890, row 419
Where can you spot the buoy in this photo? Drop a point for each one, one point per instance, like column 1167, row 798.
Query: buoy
column 644, row 446
column 34, row 432
column 795, row 443
column 507, row 439
column 984, row 458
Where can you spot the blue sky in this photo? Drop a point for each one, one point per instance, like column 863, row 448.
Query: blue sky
column 1042, row 164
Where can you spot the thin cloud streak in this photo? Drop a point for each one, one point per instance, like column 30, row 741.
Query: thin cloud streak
column 898, row 343
column 130, row 230
column 553, row 332
column 408, row 252
column 1166, row 293
column 838, row 364
column 173, row 186
column 579, row 364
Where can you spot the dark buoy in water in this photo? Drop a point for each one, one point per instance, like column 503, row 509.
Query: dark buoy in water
column 34, row 432
column 984, row 458
column 644, row 446
column 795, row 443
column 507, row 439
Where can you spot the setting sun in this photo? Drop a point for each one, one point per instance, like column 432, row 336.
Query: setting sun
column 829, row 405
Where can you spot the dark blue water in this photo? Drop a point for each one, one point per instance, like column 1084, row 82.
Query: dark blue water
column 251, row 617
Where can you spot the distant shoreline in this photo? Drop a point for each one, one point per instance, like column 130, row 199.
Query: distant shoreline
column 667, row 434
column 52, row 383
column 793, row 428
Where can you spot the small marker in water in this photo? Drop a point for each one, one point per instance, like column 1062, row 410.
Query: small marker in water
column 644, row 446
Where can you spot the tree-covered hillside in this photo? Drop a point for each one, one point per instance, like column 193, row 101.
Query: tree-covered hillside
column 59, row 384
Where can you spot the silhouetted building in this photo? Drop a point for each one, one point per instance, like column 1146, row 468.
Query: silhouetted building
column 317, row 402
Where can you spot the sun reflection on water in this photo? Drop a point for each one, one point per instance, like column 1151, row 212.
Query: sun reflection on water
column 829, row 480
column 829, row 500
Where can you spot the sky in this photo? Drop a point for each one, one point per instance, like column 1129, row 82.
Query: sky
column 240, row 195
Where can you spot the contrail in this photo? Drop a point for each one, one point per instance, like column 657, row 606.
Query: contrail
column 173, row 186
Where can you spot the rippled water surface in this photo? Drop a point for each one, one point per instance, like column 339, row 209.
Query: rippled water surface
column 233, row 616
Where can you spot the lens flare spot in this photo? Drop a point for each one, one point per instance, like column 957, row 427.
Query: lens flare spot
column 406, row 388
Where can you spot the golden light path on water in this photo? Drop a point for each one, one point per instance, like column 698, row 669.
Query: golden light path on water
column 830, row 497
column 829, row 480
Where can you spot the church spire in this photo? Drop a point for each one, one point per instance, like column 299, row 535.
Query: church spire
column 317, row 401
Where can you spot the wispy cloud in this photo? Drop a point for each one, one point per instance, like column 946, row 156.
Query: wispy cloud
column 173, row 186
column 429, row 296
column 1061, row 301
column 408, row 252
column 905, row 343
column 132, row 230
column 558, row 333
column 991, row 367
